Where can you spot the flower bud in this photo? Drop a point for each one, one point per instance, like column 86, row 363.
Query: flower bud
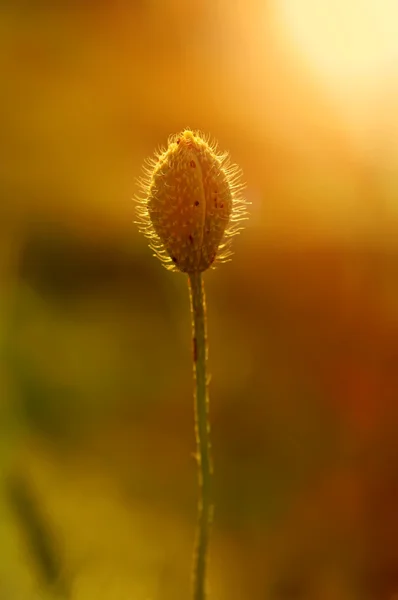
column 191, row 203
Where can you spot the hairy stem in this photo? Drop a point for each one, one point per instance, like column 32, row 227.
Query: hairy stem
column 202, row 431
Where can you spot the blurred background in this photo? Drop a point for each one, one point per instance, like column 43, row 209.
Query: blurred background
column 98, row 483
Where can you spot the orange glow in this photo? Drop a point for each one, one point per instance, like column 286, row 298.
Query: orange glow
column 346, row 40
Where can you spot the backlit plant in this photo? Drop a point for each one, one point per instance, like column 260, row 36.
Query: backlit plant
column 190, row 206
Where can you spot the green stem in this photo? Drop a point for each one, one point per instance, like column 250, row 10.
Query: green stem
column 202, row 431
column 39, row 535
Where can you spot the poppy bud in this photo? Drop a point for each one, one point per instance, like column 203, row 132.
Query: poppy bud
column 191, row 203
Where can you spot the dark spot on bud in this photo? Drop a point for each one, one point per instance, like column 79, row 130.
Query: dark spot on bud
column 222, row 205
column 197, row 203
column 190, row 238
column 178, row 141
column 207, row 231
column 193, row 164
column 215, row 202
column 173, row 258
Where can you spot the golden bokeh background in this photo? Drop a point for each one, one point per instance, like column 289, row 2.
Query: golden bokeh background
column 96, row 414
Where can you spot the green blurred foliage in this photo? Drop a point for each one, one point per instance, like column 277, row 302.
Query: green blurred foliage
column 96, row 374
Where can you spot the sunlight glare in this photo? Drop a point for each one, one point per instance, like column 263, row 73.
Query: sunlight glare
column 346, row 41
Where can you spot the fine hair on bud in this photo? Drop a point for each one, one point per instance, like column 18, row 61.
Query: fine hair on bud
column 190, row 203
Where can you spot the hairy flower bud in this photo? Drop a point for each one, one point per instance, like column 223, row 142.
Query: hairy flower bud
column 191, row 203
